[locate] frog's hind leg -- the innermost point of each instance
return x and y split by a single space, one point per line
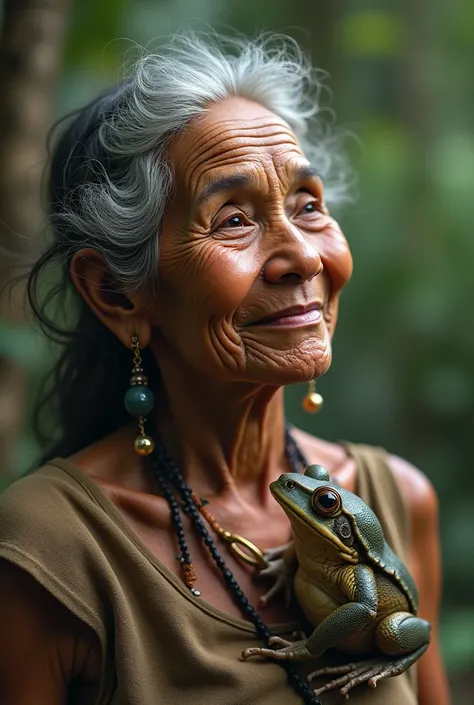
402 638
404 635
401 633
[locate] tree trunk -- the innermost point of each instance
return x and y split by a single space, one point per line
31 44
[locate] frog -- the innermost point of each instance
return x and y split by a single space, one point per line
352 588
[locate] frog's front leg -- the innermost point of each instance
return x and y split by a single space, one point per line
282 566
346 620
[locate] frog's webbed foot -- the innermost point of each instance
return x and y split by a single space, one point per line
283 575
273 554
289 650
281 569
370 671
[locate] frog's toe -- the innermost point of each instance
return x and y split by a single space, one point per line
291 655
256 651
290 650
370 671
281 583
381 673
285 652
338 682
283 577
351 675
278 641
362 675
332 670
394 667
273 554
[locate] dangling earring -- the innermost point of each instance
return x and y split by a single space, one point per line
139 400
312 402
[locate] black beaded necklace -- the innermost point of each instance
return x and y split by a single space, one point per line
170 480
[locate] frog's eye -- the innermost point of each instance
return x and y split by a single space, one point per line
326 501
289 484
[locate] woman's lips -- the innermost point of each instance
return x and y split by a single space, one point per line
294 317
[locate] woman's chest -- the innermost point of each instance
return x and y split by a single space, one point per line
171 653
150 519
207 659
151 523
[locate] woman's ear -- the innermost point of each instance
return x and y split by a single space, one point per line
122 314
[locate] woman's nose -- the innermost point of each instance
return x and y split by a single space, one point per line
294 257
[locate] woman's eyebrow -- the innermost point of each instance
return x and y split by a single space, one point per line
306 172
224 184
227 183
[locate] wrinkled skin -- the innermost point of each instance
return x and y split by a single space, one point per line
238 254
231 254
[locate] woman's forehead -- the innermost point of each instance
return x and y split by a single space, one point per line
232 135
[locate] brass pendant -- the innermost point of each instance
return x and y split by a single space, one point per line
312 402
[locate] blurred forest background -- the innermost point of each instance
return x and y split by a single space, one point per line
400 74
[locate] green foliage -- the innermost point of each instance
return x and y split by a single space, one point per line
94 37
24 345
370 33
458 640
402 371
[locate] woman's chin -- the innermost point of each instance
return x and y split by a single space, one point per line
297 376
294 366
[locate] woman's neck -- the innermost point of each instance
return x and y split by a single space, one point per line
225 438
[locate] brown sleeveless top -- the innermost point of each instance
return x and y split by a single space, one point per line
160 645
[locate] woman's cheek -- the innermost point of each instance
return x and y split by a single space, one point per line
336 257
226 278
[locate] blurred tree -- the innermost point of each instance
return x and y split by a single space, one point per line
402 371
31 44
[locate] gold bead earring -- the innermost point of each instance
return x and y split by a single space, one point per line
139 400
312 401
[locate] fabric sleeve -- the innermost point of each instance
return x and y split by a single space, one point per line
44 530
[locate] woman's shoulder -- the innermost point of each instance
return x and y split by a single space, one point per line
40 550
50 528
43 496
415 488
25 496
41 513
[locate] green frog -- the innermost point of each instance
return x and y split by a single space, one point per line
349 583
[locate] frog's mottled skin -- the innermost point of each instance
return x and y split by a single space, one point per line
350 585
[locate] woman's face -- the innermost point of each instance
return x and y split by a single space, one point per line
251 263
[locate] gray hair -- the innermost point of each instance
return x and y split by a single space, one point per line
111 178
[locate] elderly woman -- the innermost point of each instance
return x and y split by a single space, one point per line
190 211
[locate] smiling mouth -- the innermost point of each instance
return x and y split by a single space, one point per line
293 317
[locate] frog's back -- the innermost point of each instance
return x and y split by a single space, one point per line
391 597
371 537
401 575
377 487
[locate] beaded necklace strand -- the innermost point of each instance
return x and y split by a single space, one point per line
168 478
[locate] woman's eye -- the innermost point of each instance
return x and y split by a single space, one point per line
239 222
236 221
310 207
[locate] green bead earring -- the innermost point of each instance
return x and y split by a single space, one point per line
139 400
